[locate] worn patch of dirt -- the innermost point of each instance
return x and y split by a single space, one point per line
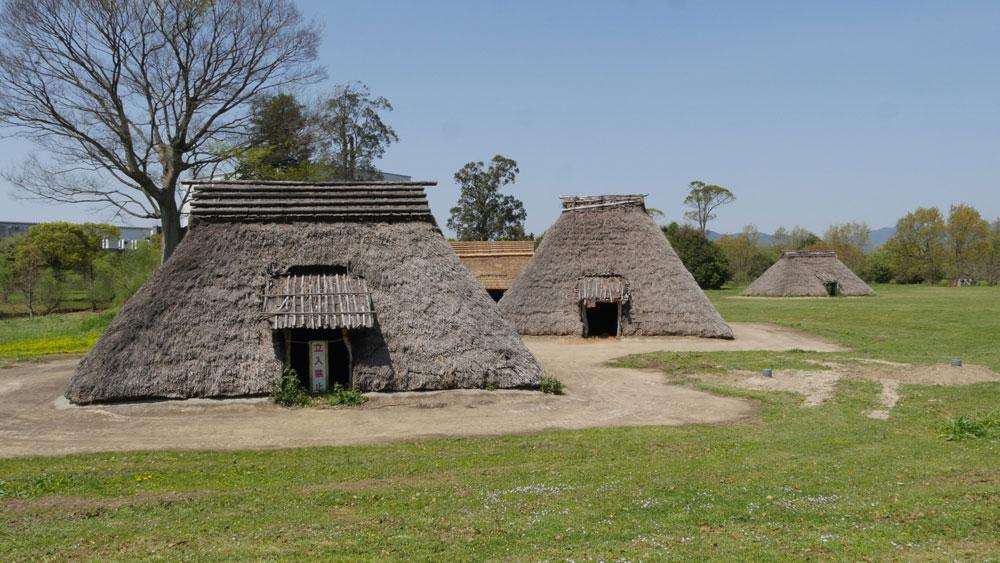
37 421
815 386
818 386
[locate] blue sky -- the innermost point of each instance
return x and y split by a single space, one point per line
812 113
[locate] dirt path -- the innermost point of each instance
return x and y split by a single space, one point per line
36 420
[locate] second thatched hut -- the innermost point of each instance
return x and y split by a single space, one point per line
808 274
605 268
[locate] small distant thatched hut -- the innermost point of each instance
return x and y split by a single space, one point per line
495 263
605 268
808 274
355 277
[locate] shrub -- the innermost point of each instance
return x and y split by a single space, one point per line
700 256
878 267
339 396
288 390
551 386
971 427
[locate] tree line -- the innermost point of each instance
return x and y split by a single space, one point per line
53 262
927 247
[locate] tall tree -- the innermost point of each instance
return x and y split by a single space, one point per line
747 257
281 140
483 213
799 238
917 249
353 133
700 256
968 241
991 265
128 96
8 249
92 235
849 241
30 273
704 199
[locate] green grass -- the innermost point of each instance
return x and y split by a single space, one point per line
801 483
913 324
73 301
70 333
820 483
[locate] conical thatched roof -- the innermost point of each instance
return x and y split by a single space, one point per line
607 248
199 327
808 274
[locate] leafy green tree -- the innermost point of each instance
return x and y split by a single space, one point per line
968 241
281 141
8 249
32 276
747 257
798 238
849 241
91 254
63 246
918 247
134 267
700 256
704 199
991 264
483 213
352 133
878 267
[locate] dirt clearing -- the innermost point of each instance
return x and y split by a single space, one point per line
818 386
36 420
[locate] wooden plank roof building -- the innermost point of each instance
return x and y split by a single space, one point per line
496 264
267 265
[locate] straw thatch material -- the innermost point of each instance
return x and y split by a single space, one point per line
198 328
495 263
610 237
807 274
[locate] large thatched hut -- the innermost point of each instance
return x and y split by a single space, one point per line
495 263
808 274
605 268
351 282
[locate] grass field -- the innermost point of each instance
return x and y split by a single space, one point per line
818 483
70 333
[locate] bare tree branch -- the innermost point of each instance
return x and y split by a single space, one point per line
127 97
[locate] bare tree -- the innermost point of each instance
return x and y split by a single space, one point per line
704 199
128 96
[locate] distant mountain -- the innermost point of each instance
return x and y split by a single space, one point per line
761 237
878 238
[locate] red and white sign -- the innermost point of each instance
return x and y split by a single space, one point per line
319 369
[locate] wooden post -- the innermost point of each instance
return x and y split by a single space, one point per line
288 347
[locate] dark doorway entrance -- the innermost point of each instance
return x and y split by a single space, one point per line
832 288
496 294
338 355
602 319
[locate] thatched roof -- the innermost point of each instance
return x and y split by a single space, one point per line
200 327
495 263
808 274
606 245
